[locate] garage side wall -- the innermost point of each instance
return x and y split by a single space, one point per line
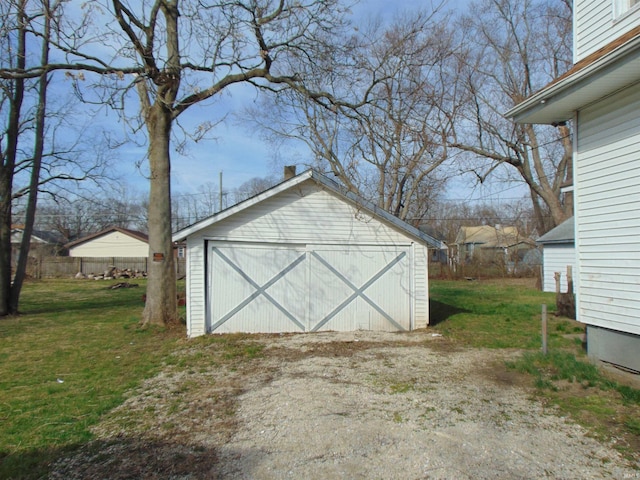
421 287
196 296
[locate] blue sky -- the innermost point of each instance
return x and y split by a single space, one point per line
242 155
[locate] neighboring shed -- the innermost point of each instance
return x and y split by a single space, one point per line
305 256
111 242
559 251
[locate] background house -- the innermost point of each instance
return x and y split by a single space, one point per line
558 252
486 245
601 95
111 242
43 244
305 255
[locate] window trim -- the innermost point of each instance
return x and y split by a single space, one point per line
623 8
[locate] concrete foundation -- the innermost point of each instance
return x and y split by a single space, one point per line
619 348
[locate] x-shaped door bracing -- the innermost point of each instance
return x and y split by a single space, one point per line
260 290
358 292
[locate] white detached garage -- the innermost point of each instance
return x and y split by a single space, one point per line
305 256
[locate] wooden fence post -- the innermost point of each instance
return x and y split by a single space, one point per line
544 329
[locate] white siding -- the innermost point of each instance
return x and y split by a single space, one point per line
304 215
595 27
196 286
421 286
307 215
112 244
556 258
608 212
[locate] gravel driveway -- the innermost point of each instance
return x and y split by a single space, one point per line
360 405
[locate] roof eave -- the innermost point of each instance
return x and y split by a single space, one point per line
217 217
557 241
558 101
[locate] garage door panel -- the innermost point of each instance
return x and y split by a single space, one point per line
368 291
259 316
256 289
278 289
259 264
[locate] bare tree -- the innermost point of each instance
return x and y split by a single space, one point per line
389 149
175 55
253 187
188 208
84 213
510 49
32 158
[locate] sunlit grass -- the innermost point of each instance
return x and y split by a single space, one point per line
496 314
70 357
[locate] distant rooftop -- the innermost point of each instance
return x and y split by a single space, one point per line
563 233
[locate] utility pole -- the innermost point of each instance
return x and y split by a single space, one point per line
220 209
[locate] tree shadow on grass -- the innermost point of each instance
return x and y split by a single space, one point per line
122 458
439 312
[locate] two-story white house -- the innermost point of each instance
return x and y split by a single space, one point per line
600 94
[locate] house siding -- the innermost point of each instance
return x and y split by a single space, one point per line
608 211
594 25
112 244
556 258
305 215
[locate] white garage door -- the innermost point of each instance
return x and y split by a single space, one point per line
267 288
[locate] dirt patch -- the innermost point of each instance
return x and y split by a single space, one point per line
341 405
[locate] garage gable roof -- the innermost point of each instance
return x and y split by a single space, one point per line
143 237
330 185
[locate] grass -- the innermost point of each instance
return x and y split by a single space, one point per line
507 314
496 314
70 357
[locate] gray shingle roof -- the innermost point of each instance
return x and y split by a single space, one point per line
563 233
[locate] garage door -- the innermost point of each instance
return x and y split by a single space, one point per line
285 288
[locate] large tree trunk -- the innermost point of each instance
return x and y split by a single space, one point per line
36 166
7 168
5 241
161 306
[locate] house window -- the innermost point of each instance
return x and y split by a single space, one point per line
620 7
182 251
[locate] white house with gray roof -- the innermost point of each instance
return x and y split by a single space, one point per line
558 253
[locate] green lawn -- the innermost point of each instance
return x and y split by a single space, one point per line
497 314
70 357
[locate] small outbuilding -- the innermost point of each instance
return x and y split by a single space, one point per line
305 256
558 253
111 242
